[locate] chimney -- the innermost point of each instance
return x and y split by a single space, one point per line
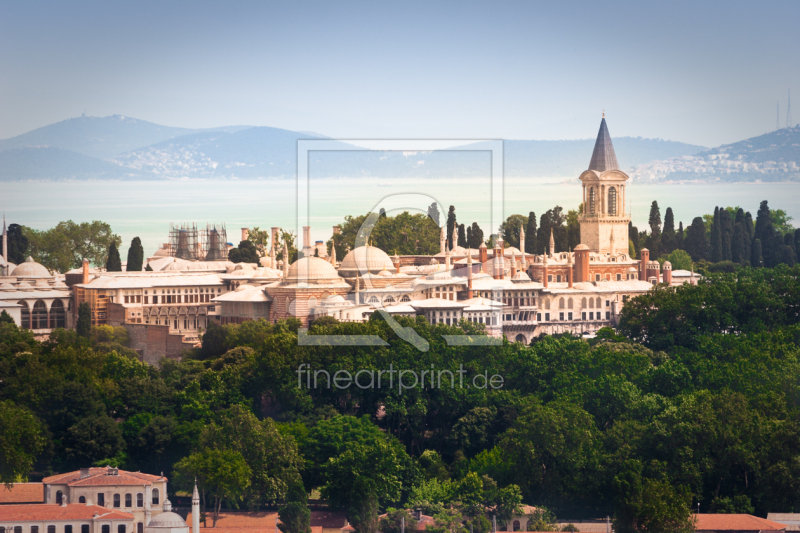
85 271
469 274
245 233
569 269
417 514
644 258
544 272
272 239
483 255
307 241
667 272
85 472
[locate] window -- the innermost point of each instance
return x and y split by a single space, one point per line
26 323
116 500
538 317
121 528
140 527
155 496
597 277
516 522
82 499
405 298
599 303
128 500
583 315
591 315
561 316
39 315
592 198
569 316
608 303
59 497
155 299
84 528
558 278
140 500
550 278
52 529
101 499
18 529
34 529
105 529
57 315
612 201
619 277
547 317
67 529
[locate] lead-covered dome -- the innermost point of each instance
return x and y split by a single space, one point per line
31 269
311 269
365 259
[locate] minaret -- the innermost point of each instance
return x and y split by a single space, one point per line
455 236
552 243
442 239
469 273
447 260
569 268
544 272
522 243
195 509
333 254
358 290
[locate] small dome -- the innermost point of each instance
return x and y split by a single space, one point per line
6 287
633 269
167 520
667 265
31 269
42 283
385 274
365 259
24 285
312 268
581 247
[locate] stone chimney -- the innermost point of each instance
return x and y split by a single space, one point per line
245 233
666 269
85 271
469 273
85 472
644 258
483 255
307 250
544 272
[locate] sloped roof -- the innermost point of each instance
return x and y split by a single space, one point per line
603 157
98 476
41 512
22 493
735 522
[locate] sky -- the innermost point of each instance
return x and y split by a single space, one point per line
705 73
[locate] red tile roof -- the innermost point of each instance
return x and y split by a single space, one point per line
218 529
101 476
39 512
735 522
265 520
22 493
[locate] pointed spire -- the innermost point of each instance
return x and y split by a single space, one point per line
603 157
552 243
285 260
333 255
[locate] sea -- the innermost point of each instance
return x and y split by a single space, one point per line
146 208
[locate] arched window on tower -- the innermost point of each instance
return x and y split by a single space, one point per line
592 200
612 201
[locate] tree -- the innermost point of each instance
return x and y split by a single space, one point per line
360 479
633 236
93 438
475 236
716 238
21 441
668 234
135 256
510 229
740 240
530 234
6 318
17 244
695 242
451 225
84 325
113 262
245 253
679 237
726 234
680 260
64 246
224 474
294 514
394 520
655 220
433 213
650 506
573 229
260 239
757 258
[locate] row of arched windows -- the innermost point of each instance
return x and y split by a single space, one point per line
612 201
116 499
40 318
68 528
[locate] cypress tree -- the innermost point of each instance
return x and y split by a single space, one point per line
726 233
462 236
739 240
113 263
796 240
135 256
756 259
84 325
655 220
451 224
475 236
530 234
788 256
696 242
295 515
633 236
17 244
788 240
543 234
668 234
679 237
716 238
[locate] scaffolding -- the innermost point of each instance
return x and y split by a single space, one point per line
214 242
183 241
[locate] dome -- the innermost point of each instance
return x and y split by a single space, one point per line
6 287
312 268
581 247
23 285
365 259
167 520
632 269
31 269
667 265
385 274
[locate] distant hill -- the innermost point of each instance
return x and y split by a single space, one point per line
118 147
774 156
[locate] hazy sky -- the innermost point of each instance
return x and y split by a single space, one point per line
699 72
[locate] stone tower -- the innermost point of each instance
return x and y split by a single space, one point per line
604 187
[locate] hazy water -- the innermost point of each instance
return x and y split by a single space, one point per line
146 208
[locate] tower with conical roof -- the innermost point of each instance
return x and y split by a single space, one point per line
603 218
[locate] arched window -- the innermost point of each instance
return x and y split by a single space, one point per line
59 497
82 499
583 302
312 302
39 315
58 318
372 300
106 529
140 527
591 303
599 304
116 500
26 316
388 300
569 303
520 338
128 500
155 496
2 529
121 528
84 528
561 303
592 200
516 525
612 201
405 298
18 529
140 500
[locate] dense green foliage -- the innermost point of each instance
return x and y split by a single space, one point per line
64 246
695 401
246 252
135 256
113 261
